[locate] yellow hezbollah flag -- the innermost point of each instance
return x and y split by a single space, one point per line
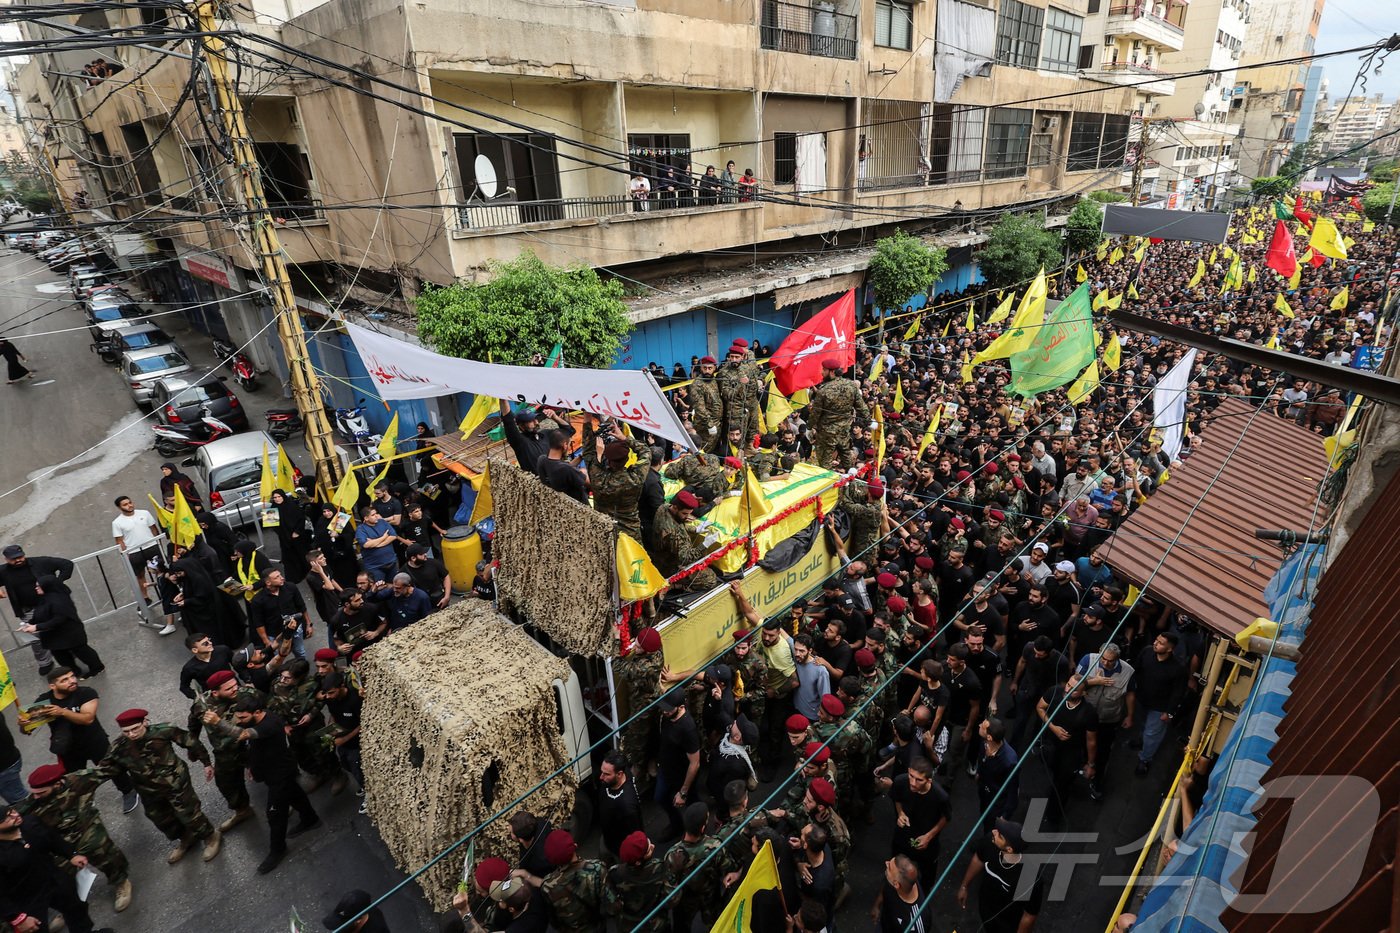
1297 277
778 406
1213 254
948 325
7 684
388 446
879 366
762 875
753 501
880 437
286 479
1368 226
1339 300
1080 276
971 323
1100 300
914 328
1113 352
1087 382
162 515
1113 302
1141 251
1282 307
1024 326
183 528
1003 310
930 431
800 398
483 506
347 493
1132 597
1251 275
1101 252
898 403
266 482
1132 291
637 576
1327 240
1272 342
482 407
1115 256
1200 274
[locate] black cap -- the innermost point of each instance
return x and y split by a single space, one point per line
668 702
12 551
351 905
416 550
1011 832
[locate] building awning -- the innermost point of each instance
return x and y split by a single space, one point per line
1249 470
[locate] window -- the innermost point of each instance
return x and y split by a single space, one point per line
525 162
286 175
1097 140
1018 34
139 152
894 24
1093 6
784 158
1086 57
1042 149
1061 50
653 153
955 144
1008 142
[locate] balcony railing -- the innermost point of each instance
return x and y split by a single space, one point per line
1135 68
489 215
1141 11
304 210
809 30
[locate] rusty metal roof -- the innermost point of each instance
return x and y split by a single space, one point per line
1217 570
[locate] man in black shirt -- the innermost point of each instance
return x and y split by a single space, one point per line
1010 893
11 786
1031 619
954 581
679 759
270 761
1039 668
555 471
429 575
484 582
345 703
207 658
833 653
921 813
31 884
964 709
619 807
1159 678
357 623
356 904
76 736
278 611
523 435
900 906
816 868
1090 633
1069 740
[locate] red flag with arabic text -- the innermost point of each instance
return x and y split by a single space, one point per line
829 335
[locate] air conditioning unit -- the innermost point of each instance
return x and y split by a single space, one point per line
1049 123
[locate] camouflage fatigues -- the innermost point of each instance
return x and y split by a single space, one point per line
706 411
633 890
701 894
640 675
836 405
740 384
69 811
161 777
701 472
750 684
676 549
310 753
230 758
616 492
737 840
865 520
951 543
576 894
839 838
850 749
764 462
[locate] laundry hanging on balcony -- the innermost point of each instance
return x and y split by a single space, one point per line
811 162
964 46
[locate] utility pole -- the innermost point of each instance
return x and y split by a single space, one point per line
306 387
1138 163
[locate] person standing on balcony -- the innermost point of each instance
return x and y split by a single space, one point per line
748 186
709 187
640 189
668 190
729 183
685 186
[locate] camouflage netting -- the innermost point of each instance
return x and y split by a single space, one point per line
556 562
462 696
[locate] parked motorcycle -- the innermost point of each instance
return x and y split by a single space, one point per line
282 423
354 428
237 361
173 440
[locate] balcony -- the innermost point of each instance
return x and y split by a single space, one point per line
485 216
1131 73
809 30
1137 21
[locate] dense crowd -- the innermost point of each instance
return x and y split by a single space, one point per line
975 623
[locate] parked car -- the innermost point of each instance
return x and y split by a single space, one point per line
85 282
182 399
109 312
141 336
230 468
143 368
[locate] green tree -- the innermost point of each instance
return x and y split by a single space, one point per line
524 309
1016 249
1300 158
1270 187
902 267
1108 197
1084 228
34 197
1376 202
1383 171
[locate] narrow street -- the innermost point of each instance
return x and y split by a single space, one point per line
74 403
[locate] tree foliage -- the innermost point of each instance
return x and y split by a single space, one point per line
1377 201
1084 228
1270 187
34 197
902 267
1017 247
1108 197
1383 171
524 309
1300 158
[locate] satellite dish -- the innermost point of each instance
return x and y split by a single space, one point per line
1199 108
485 177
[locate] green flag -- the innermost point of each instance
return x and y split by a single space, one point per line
1060 349
1282 211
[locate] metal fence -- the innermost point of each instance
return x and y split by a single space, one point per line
486 215
815 30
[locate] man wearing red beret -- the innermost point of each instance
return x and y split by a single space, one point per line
674 547
230 761
636 884
576 888
639 676
706 405
145 755
63 803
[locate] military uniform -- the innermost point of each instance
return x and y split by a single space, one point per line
576 894
750 684
764 462
310 753
701 893
675 549
954 542
704 474
162 778
230 760
737 839
706 411
70 812
836 405
851 749
865 520
640 673
616 492
740 382
633 891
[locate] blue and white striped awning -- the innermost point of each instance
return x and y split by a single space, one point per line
1197 884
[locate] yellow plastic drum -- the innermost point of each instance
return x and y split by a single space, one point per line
461 549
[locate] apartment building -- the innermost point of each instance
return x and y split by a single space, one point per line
530 121
1273 95
1353 121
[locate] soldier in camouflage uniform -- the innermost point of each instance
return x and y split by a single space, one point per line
836 405
701 893
734 833
814 762
703 473
706 406
953 539
639 675
862 502
850 747
576 890
616 486
64 804
675 549
145 755
740 384
211 707
750 679
820 807
764 459
296 702
636 884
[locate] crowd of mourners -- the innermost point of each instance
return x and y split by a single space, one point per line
975 634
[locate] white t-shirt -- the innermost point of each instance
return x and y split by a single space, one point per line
134 529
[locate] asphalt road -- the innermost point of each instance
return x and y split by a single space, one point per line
85 424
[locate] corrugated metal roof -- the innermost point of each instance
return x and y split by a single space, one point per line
1217 570
1340 720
